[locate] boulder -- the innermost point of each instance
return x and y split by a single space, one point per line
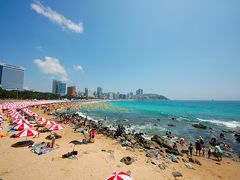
195 161
155 162
158 139
199 125
177 174
127 160
185 151
152 153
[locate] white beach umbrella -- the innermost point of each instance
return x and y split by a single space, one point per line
48 122
119 176
56 127
27 132
22 126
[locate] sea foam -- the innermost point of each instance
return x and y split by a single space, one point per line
230 124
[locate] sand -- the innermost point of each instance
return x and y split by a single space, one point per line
93 163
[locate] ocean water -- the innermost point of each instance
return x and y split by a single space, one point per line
153 116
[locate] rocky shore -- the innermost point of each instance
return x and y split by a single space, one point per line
157 147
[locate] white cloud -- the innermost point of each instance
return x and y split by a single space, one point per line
57 18
78 68
51 66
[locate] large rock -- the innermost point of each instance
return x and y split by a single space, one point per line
195 161
152 153
199 125
120 131
127 160
177 174
155 162
158 139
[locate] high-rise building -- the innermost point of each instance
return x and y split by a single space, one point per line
71 91
139 92
99 92
59 87
110 95
130 95
11 76
88 93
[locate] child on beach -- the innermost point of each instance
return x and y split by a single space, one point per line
190 148
209 152
203 151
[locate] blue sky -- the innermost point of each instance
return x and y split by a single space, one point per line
182 49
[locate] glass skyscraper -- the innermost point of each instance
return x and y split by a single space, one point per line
11 77
58 87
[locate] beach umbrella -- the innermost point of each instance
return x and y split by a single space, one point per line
1 127
119 176
22 126
26 132
48 122
41 119
56 127
20 121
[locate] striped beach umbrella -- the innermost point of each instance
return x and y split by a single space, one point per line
56 127
22 126
27 132
20 121
41 119
48 123
119 176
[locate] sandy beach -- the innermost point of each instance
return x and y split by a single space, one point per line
98 160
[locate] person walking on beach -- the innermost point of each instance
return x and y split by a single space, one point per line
190 148
219 153
198 147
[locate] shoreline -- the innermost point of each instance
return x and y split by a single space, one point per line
93 153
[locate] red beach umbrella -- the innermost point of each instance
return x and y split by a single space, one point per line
22 126
48 122
20 121
119 176
27 132
41 119
56 127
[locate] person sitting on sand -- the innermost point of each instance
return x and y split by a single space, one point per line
190 148
53 141
182 141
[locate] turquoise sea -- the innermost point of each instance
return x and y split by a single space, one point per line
153 116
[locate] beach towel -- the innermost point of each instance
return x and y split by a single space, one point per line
35 146
43 150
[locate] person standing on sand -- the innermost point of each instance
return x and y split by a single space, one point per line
190 148
198 147
219 152
209 152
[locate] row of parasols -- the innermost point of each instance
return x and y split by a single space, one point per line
24 126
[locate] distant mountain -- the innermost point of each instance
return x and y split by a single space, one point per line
150 96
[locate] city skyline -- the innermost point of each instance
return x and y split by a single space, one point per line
186 51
